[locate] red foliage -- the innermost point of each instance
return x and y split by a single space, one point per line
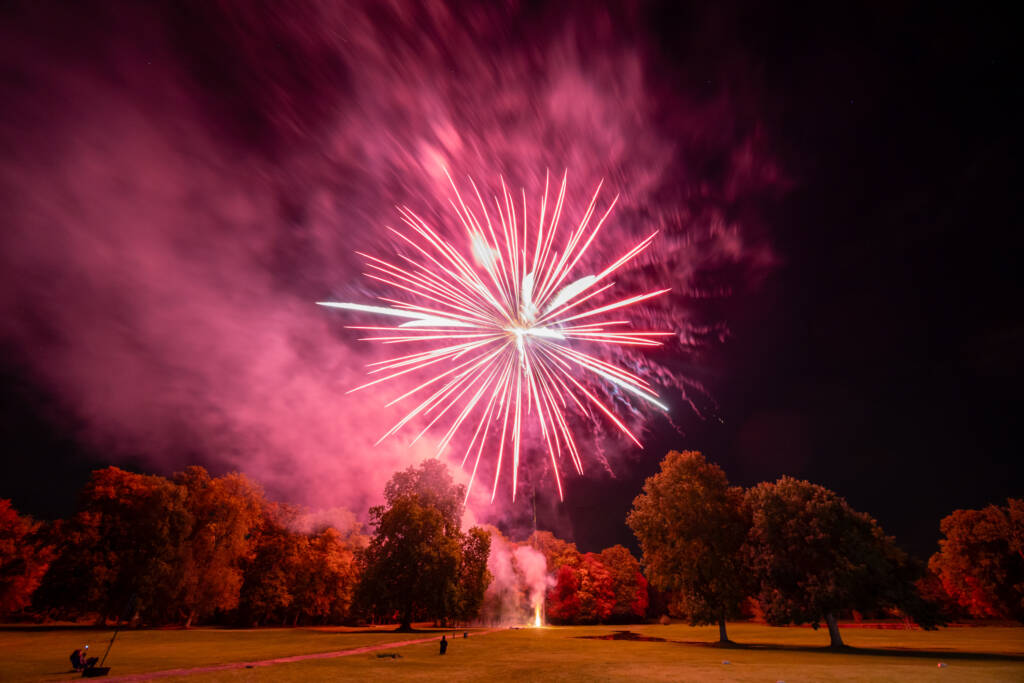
583 594
640 599
23 559
597 590
563 603
980 562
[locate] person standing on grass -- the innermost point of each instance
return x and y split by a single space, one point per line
444 645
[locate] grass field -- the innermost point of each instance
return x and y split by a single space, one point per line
557 653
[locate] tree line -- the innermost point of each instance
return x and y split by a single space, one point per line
200 549
194 547
793 552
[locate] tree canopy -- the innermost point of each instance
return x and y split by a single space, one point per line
691 527
214 549
122 547
628 582
25 556
556 551
980 562
223 511
814 555
195 547
418 553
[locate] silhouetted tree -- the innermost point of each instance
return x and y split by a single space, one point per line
814 556
269 573
473 574
415 558
122 546
692 528
980 562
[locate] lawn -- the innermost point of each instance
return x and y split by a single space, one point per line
41 654
558 653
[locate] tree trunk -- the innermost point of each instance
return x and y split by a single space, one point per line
406 624
191 616
833 631
722 636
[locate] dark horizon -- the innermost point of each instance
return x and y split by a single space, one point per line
879 355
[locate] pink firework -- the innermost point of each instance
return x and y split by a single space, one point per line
505 326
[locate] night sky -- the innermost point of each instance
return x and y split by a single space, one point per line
880 355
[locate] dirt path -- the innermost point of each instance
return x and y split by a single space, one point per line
167 673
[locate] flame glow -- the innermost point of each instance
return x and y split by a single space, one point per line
503 331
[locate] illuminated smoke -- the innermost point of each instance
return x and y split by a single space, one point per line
520 581
179 183
507 338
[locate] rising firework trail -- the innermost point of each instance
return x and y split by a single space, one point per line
506 333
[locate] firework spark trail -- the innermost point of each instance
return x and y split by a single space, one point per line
506 328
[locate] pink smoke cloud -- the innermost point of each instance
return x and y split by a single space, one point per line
166 232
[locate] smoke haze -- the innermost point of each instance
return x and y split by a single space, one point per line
179 184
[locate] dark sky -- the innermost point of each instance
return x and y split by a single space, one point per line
882 355
884 359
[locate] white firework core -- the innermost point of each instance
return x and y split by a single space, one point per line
501 334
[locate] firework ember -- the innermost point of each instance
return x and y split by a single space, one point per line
506 324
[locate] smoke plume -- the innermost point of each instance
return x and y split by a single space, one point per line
180 183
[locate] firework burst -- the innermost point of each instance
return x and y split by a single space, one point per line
506 326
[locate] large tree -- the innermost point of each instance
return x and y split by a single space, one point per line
815 556
692 527
474 576
122 548
224 512
24 557
324 586
418 551
981 560
270 571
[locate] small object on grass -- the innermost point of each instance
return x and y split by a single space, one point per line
726 661
389 655
95 671
942 664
